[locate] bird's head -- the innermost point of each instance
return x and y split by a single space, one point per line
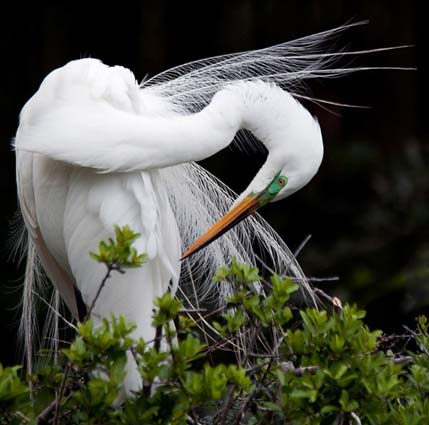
290 165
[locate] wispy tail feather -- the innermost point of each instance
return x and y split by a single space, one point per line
35 289
28 324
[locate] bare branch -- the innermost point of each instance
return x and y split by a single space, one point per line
110 269
355 418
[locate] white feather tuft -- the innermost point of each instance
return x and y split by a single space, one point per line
191 86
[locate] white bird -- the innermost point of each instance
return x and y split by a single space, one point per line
95 149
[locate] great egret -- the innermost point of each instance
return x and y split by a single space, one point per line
95 149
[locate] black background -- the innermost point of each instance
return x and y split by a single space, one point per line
367 207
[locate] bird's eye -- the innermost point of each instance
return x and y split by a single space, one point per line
282 181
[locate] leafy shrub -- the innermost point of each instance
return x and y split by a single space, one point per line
308 366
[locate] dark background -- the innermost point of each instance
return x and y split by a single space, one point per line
366 209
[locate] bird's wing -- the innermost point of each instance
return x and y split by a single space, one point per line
27 165
96 203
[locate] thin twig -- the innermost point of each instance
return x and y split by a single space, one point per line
147 388
110 269
403 360
192 421
220 344
43 418
194 288
301 246
228 404
334 301
416 337
253 394
389 341
54 406
355 418
158 337
22 417
192 310
253 369
205 322
324 279
56 312
340 418
314 279
229 398
60 393
175 364
267 356
298 371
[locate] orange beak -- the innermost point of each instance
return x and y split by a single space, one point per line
246 207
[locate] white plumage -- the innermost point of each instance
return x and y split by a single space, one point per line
95 149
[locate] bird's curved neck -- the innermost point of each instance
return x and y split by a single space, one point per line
264 109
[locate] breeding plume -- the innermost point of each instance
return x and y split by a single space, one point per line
95 149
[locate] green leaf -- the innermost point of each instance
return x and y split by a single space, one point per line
120 252
117 369
215 381
167 309
190 348
234 321
347 404
310 395
11 387
238 377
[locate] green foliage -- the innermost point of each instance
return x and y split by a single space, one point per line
120 252
13 394
308 366
351 375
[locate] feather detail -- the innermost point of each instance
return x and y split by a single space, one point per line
198 199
